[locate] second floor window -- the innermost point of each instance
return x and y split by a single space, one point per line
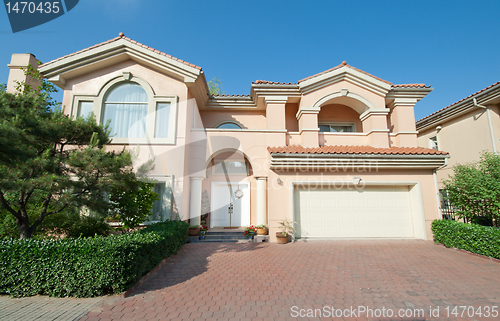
336 128
126 107
433 143
229 125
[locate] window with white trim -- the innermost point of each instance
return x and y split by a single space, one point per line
125 108
433 143
232 167
337 127
85 109
136 114
229 125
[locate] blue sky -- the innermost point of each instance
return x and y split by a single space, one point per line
451 45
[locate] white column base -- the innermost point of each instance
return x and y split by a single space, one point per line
195 202
261 201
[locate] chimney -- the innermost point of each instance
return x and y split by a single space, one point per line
17 62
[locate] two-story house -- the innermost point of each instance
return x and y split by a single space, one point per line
336 152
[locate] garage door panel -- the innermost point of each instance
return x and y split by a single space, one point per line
372 212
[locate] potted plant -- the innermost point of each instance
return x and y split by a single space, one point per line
286 228
261 229
203 231
193 230
250 231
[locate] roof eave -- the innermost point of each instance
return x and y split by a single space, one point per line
459 108
112 52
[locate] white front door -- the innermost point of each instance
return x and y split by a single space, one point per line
222 197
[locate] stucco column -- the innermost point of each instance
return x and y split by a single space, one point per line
275 112
195 202
308 126
375 125
403 121
261 201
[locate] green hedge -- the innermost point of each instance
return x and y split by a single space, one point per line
474 238
86 267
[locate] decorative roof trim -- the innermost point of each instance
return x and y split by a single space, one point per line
338 158
355 150
120 36
344 63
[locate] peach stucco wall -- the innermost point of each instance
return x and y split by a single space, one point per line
464 137
291 122
309 99
340 113
248 119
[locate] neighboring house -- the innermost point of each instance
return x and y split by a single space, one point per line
335 152
464 129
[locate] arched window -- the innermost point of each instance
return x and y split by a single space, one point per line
126 107
229 125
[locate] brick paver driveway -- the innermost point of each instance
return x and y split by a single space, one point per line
217 281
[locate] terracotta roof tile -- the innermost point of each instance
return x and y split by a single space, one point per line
121 36
230 96
344 63
346 149
498 82
410 86
272 82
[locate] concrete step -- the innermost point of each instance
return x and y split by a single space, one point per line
225 233
225 237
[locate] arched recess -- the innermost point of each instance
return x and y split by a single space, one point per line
344 97
229 154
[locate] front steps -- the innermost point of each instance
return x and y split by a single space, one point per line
225 235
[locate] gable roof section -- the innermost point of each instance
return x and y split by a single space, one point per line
113 51
466 104
348 73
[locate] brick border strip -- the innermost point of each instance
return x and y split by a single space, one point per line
144 278
471 253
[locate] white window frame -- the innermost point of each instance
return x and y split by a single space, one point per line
353 124
218 161
167 197
434 143
229 122
153 100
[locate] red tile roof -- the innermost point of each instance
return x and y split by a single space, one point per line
344 63
411 86
272 82
345 149
459 101
122 36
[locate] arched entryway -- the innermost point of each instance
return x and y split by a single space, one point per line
226 196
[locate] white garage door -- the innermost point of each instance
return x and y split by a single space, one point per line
383 211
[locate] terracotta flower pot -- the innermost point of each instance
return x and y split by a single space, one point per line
262 231
193 231
281 239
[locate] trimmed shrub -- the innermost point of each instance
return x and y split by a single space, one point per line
474 238
86 267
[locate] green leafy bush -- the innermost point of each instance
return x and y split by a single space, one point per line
86 267
474 238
